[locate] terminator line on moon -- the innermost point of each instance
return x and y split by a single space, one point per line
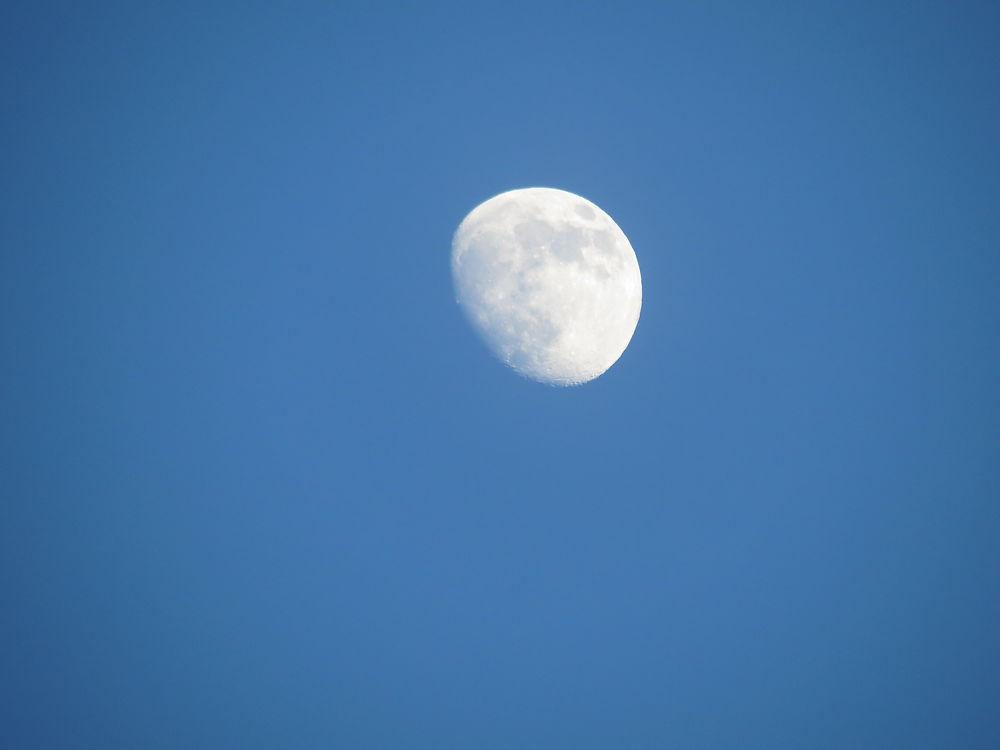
550 283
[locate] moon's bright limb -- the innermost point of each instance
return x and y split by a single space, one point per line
549 281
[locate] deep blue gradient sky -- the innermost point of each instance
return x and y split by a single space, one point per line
263 488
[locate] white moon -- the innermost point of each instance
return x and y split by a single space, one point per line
549 281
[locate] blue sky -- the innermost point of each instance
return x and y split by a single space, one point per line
264 488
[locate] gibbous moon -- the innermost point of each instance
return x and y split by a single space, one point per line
550 283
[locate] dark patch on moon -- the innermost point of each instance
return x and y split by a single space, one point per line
533 234
566 243
605 242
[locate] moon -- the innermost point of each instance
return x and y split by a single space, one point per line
549 281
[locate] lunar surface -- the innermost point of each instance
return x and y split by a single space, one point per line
550 283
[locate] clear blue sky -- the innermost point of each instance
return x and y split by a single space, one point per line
263 488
